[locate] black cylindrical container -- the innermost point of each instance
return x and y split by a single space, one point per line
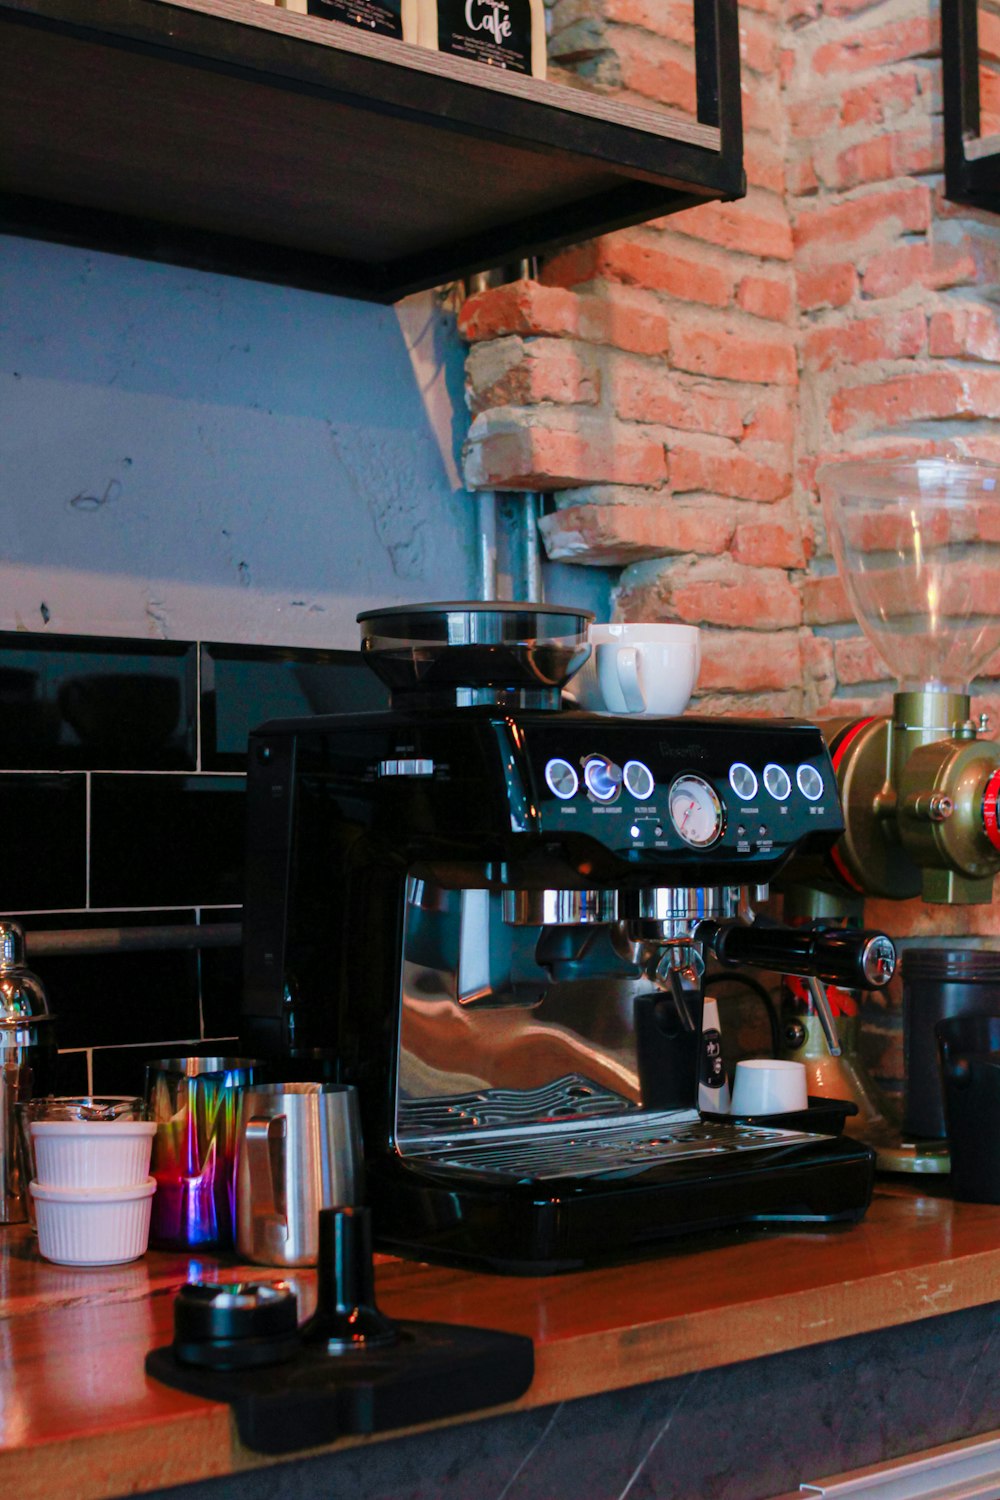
939 983
970 1073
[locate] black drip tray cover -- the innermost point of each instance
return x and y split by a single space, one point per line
434 1370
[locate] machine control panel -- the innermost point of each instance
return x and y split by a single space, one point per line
664 788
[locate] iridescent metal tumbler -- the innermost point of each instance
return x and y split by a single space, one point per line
194 1102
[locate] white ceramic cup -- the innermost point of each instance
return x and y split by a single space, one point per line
769 1086
640 669
92 1153
93 1226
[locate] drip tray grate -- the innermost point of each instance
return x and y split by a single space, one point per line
618 1152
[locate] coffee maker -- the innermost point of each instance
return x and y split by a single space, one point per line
491 914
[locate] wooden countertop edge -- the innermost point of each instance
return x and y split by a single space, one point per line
201 1442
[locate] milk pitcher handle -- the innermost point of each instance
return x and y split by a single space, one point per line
265 1142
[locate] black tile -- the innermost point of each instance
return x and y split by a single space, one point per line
44 821
242 686
221 981
71 1074
122 1070
105 998
89 702
166 840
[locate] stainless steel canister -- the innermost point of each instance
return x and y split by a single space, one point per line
298 1150
27 1063
194 1103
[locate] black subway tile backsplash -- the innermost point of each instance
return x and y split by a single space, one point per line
118 811
242 686
164 840
102 999
92 703
44 821
122 1070
221 981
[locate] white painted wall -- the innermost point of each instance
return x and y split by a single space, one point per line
193 456
190 456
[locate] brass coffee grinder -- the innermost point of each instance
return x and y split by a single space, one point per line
917 547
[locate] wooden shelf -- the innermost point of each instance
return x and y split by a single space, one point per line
237 137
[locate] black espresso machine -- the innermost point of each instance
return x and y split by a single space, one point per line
491 913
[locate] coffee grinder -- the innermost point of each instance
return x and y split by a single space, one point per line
917 547
491 914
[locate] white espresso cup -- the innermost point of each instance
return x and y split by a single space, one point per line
640 669
769 1086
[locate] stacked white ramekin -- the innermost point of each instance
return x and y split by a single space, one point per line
91 1189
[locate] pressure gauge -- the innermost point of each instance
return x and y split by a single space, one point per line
696 812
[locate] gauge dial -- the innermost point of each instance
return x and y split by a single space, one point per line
696 812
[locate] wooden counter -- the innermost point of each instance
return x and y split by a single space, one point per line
80 1419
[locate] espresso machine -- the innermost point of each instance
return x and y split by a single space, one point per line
491 913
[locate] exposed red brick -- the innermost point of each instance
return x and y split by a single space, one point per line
505 452
523 307
765 298
743 661
758 227
914 36
771 421
711 592
750 705
614 535
824 601
810 119
920 397
764 164
882 157
667 18
930 265
898 335
768 544
926 919
880 99
758 46
830 286
876 216
510 372
965 333
856 661
730 472
644 391
732 356
620 258
655 69
800 177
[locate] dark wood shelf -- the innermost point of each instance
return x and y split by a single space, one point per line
236 137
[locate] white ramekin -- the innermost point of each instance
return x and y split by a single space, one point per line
92 1226
92 1153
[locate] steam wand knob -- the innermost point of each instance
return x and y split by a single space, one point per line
346 1316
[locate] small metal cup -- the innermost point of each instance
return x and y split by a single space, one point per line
298 1151
194 1103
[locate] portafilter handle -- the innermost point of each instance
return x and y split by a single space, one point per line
821 955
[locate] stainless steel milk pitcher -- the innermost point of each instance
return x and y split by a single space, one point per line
298 1150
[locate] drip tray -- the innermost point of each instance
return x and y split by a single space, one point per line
621 1151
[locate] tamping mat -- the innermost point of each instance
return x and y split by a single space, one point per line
432 1371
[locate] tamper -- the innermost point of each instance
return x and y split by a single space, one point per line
346 1316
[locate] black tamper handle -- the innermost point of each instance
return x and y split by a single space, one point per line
346 1315
835 955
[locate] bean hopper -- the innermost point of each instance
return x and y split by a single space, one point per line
491 914
917 547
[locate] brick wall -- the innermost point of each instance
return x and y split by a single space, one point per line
674 386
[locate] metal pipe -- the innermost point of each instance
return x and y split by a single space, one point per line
76 940
486 544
